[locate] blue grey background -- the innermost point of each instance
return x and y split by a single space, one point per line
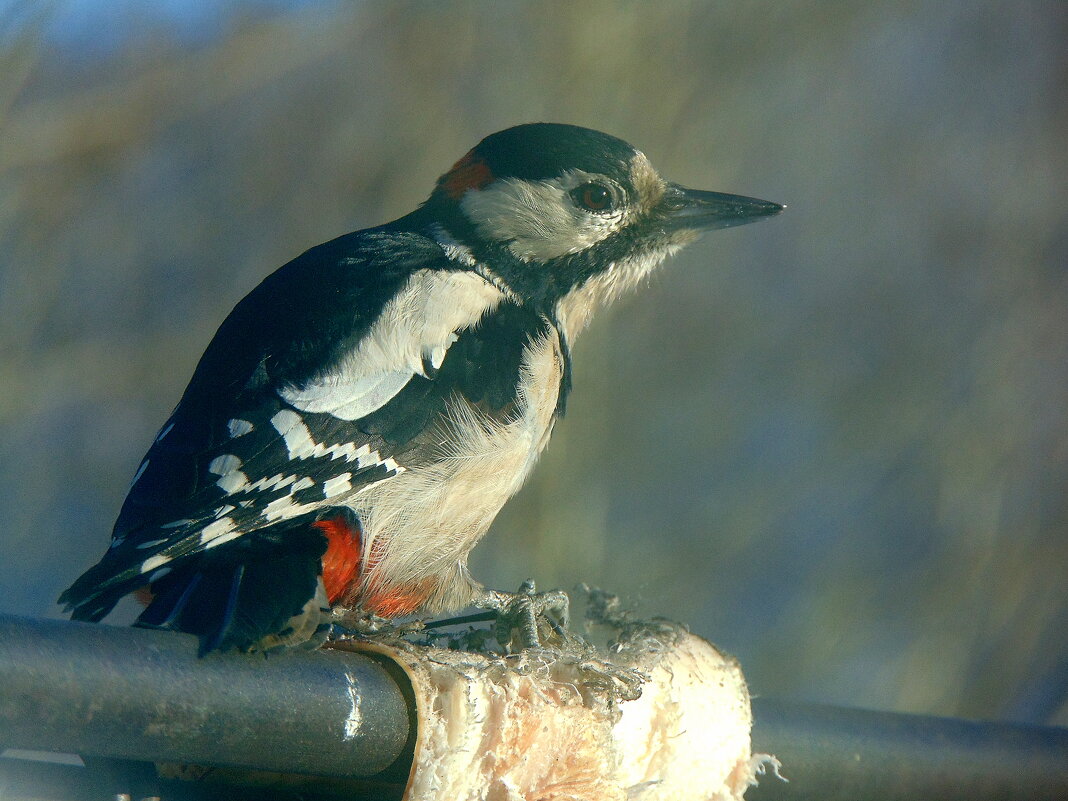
835 443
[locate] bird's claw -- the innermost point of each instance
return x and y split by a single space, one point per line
529 616
356 622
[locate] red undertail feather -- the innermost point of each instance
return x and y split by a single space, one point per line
392 600
396 601
342 571
341 562
144 595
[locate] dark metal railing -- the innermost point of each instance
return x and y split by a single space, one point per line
144 696
839 754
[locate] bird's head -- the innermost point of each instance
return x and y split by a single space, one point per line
570 217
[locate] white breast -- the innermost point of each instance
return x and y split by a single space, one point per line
428 519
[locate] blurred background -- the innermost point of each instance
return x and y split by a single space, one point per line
834 443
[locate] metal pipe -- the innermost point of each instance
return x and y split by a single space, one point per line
145 695
136 694
834 753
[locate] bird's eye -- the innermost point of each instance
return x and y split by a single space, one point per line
593 197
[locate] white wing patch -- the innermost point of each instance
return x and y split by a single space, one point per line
415 328
185 521
239 427
437 355
153 562
218 532
228 468
140 472
233 480
301 444
349 400
337 485
221 465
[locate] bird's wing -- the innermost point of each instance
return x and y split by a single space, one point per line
294 407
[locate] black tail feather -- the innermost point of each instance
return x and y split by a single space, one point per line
175 609
86 601
235 602
226 619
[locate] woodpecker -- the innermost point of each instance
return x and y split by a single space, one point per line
362 415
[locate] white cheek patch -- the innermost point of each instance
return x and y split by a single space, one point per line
538 218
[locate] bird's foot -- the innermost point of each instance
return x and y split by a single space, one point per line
529 619
529 633
356 621
349 623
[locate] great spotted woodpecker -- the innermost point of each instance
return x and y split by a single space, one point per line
364 413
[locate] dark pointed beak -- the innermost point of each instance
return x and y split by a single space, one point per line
692 209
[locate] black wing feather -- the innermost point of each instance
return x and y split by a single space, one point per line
281 334
300 320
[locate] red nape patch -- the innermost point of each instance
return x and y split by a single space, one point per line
341 562
470 172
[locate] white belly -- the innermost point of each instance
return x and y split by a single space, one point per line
427 519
